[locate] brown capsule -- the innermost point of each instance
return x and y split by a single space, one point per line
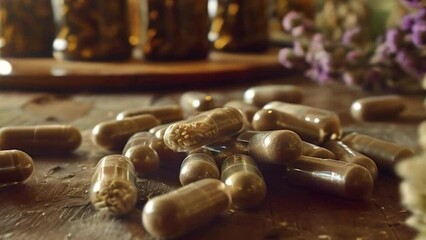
204 128
113 185
113 135
158 131
144 158
312 150
377 108
194 102
15 166
182 210
385 154
261 95
197 166
336 177
46 139
278 147
244 181
165 113
346 154
272 119
226 149
168 157
326 120
247 109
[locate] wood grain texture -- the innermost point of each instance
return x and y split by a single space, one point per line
54 204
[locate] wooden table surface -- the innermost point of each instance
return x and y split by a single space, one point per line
54 204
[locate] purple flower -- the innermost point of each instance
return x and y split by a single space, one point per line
353 77
394 39
408 63
299 49
407 22
292 20
355 57
352 36
381 55
289 60
414 3
418 35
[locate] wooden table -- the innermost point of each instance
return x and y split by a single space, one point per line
54 204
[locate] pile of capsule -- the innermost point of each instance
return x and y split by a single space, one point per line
413 186
218 149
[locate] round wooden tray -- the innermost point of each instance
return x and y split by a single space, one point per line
219 68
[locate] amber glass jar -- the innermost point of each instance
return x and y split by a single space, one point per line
26 28
176 29
92 30
240 25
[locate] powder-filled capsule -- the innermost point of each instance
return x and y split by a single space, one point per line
15 166
197 166
261 95
113 185
194 102
326 120
344 179
204 128
272 119
312 150
44 139
144 158
385 154
377 108
278 147
247 109
164 113
244 181
182 210
158 131
113 135
346 154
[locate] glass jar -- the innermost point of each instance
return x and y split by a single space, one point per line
91 30
175 29
240 25
26 28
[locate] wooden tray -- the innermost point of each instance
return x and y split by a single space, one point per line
219 68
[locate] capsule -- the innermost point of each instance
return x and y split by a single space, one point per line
312 150
272 119
261 95
113 185
377 108
247 109
46 139
144 158
343 179
346 154
165 113
385 154
158 131
244 181
197 166
15 166
194 102
204 128
168 157
224 150
182 210
278 147
326 120
422 134
113 135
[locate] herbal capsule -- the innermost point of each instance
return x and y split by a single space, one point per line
343 179
326 120
197 166
186 208
194 102
113 135
166 113
15 166
279 147
312 150
247 109
46 139
158 131
168 157
144 158
224 150
204 128
377 107
261 95
244 181
346 154
113 185
272 119
385 154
